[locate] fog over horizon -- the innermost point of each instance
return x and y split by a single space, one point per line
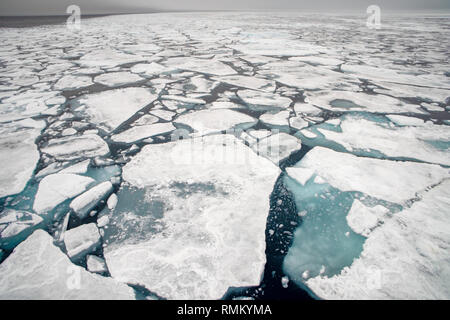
55 7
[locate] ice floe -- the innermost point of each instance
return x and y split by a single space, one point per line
109 109
88 200
212 195
144 131
209 121
254 83
363 219
116 79
207 66
107 58
76 147
82 240
96 264
360 101
15 226
406 121
19 154
70 82
394 181
277 147
405 258
373 136
56 188
276 119
396 76
264 100
342 199
37 269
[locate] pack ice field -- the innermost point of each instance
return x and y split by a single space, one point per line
226 156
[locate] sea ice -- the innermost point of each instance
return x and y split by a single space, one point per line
78 168
264 100
19 154
37 269
163 114
213 67
107 58
56 188
211 197
359 101
363 219
216 120
116 79
76 147
362 136
82 240
109 109
277 147
353 197
405 258
70 82
278 119
144 131
87 201
15 226
254 83
149 69
405 121
96 264
394 181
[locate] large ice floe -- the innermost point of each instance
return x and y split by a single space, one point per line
343 199
56 188
406 258
208 199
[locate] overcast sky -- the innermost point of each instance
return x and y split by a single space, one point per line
58 7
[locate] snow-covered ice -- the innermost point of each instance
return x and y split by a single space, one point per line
375 137
116 79
38 270
15 226
144 131
109 109
277 147
56 188
394 181
19 154
87 201
78 147
344 210
212 209
405 258
96 264
263 100
81 240
70 82
209 121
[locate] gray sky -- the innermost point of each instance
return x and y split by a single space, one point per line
58 7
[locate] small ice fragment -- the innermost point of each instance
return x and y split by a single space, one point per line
285 282
112 201
102 221
96 264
